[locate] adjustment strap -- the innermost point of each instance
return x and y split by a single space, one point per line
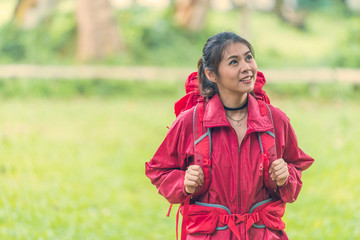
185 205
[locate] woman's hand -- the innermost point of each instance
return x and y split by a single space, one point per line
194 177
279 171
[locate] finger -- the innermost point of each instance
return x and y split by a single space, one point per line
201 179
274 164
277 162
190 190
196 173
282 176
280 166
275 174
195 176
200 174
196 170
191 177
279 172
190 183
194 179
272 168
280 182
273 177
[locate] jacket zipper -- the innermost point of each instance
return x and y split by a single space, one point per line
239 181
239 178
242 226
239 209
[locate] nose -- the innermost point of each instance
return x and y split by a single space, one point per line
244 67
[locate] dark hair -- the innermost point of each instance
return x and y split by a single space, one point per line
211 58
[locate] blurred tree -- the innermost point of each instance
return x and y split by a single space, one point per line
244 16
353 5
286 11
98 36
348 47
191 14
29 13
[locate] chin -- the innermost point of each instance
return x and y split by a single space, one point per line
250 89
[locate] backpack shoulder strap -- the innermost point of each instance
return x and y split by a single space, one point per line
202 157
202 145
267 141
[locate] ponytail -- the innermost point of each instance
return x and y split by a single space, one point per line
207 88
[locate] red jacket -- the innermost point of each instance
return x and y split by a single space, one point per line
236 181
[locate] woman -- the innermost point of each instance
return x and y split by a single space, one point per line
227 72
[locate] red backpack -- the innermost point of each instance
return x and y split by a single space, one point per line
218 218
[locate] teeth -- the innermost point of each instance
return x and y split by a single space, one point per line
246 79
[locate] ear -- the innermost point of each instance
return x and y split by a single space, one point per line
210 75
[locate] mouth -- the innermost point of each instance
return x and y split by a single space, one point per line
246 79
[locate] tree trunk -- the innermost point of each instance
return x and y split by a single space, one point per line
29 13
277 8
289 15
191 14
98 36
245 22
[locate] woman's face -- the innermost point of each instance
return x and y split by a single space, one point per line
237 70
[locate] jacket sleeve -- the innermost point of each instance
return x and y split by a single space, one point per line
166 169
296 159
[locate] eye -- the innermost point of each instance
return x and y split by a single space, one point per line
233 62
249 57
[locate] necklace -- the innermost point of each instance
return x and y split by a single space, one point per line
238 122
235 109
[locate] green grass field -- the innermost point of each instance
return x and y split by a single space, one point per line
74 168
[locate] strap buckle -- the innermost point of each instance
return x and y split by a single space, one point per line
236 218
240 218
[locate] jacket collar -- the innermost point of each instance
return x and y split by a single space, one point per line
215 116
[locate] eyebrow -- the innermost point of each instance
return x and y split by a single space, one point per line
236 56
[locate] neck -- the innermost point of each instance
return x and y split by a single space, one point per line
234 102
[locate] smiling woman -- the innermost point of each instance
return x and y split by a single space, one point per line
236 73
233 160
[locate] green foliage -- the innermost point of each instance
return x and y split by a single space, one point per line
348 49
313 4
12 44
152 38
51 42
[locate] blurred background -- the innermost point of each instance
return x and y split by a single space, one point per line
286 33
87 89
